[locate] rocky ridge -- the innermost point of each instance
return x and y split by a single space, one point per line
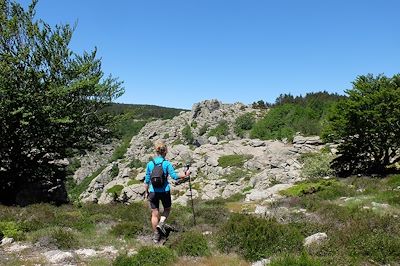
267 166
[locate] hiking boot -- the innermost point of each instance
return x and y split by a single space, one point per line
156 237
161 228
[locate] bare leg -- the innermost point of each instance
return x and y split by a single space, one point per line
154 218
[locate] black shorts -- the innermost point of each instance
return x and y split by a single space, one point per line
155 197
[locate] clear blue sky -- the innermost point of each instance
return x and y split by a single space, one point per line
178 52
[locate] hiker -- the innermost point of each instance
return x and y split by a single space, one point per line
157 188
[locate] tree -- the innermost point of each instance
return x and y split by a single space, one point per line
50 100
367 123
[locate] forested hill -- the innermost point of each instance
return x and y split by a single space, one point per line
143 111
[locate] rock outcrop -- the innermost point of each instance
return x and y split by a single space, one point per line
267 166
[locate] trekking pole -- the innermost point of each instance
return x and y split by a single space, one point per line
191 195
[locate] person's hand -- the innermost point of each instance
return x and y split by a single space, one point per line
146 194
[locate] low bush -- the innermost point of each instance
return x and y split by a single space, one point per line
191 243
115 190
222 129
136 163
114 171
289 259
316 165
147 256
60 237
127 229
243 123
308 187
235 175
11 229
233 160
255 238
187 134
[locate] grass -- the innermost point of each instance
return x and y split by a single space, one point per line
233 160
356 236
235 175
115 190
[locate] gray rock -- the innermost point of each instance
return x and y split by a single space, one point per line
257 143
59 257
315 239
86 252
262 262
272 192
133 193
6 241
126 172
213 140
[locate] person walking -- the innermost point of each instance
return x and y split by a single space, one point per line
158 188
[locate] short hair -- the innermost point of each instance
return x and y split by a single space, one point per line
160 146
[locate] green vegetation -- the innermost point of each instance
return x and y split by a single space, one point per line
308 187
295 114
222 129
115 190
256 238
51 98
11 229
233 160
366 122
191 243
187 134
288 259
133 182
147 256
114 171
243 123
127 229
136 163
142 112
316 165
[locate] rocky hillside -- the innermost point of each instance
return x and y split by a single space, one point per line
222 163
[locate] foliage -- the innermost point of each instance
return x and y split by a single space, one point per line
50 102
233 160
242 123
147 256
142 111
222 129
255 238
304 188
191 243
62 238
114 171
11 229
288 259
367 123
295 114
115 190
260 105
136 163
187 134
133 182
316 165
127 229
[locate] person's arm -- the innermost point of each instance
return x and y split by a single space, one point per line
147 181
174 175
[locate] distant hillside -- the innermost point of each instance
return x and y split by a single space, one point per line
143 111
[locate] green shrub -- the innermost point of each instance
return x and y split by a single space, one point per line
211 212
220 130
134 181
187 134
11 229
115 190
147 256
62 238
316 165
191 243
127 229
193 124
233 160
308 187
255 238
136 163
289 259
242 123
393 181
114 171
